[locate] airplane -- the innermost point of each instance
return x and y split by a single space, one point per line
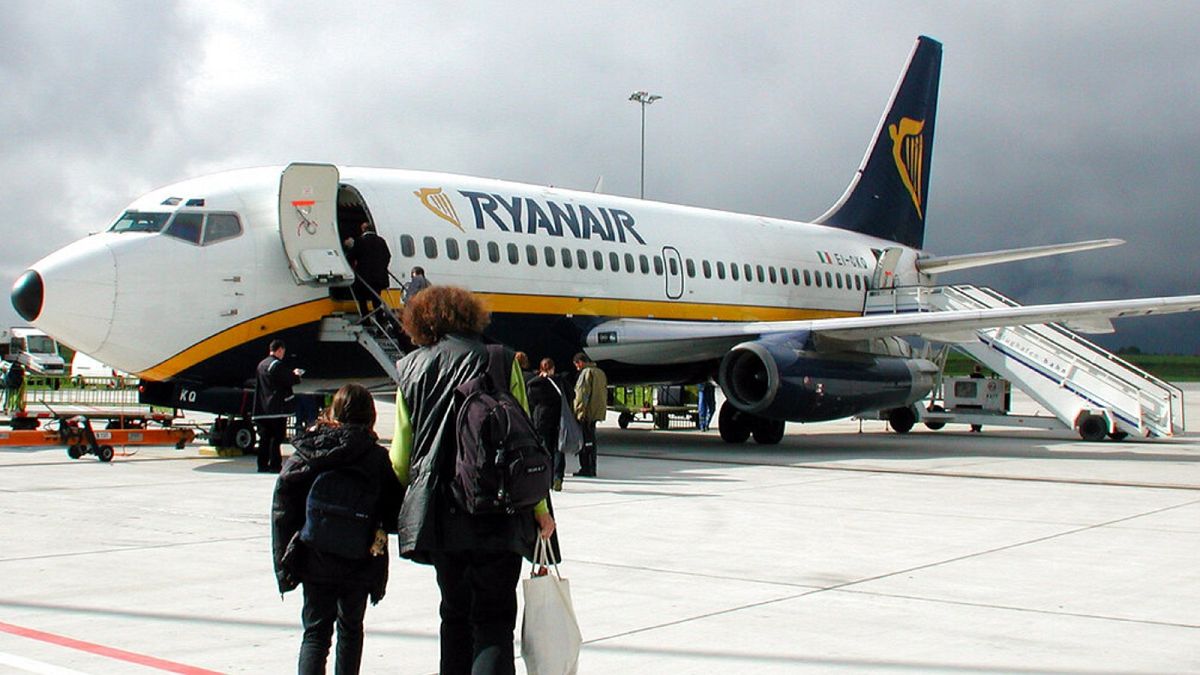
190 283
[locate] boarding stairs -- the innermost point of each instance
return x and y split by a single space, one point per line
1069 376
373 333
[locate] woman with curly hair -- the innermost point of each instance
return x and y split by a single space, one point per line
477 557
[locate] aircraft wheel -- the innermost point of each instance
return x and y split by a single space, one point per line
662 421
1119 435
902 420
105 453
733 424
934 426
1092 428
768 432
624 419
74 451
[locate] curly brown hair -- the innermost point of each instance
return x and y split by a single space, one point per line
440 310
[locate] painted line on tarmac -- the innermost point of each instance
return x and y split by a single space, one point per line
30 666
101 650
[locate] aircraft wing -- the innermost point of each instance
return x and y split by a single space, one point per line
654 341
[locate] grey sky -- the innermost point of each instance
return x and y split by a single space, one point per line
1057 121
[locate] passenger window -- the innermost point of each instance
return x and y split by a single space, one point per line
408 248
747 272
707 268
838 277
514 254
658 266
221 226
783 274
807 278
644 264
493 251
614 262
795 277
674 265
430 248
720 270
566 258
818 277
581 258
186 226
761 277
734 271
531 254
629 265
690 266
549 253
771 271
473 250
598 260
452 248
828 280
857 283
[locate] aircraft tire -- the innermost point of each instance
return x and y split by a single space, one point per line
733 424
240 435
768 432
934 426
901 420
1092 428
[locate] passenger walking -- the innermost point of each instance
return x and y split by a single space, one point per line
591 406
477 557
341 562
706 402
416 284
272 402
545 407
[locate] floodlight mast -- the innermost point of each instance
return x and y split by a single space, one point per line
644 98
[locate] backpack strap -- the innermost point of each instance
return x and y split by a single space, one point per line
496 370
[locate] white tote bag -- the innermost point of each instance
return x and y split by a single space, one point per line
550 636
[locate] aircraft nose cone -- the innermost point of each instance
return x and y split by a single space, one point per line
27 295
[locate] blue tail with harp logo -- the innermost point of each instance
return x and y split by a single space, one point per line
888 196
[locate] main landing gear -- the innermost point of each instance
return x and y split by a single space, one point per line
736 426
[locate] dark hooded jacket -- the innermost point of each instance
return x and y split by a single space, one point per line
430 520
350 446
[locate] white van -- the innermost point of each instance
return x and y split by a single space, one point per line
34 350
83 366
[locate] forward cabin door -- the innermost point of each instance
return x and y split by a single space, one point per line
308 225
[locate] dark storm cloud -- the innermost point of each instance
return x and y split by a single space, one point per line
1057 121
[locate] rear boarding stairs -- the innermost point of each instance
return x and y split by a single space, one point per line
1084 386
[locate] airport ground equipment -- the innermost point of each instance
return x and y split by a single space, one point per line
658 405
1084 386
81 438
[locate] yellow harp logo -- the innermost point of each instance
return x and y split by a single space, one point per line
435 200
908 150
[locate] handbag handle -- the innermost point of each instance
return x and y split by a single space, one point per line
543 560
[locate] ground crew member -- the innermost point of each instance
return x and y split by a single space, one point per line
272 399
591 405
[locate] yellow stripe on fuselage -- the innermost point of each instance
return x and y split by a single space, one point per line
498 303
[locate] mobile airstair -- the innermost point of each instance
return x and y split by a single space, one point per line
380 338
1084 386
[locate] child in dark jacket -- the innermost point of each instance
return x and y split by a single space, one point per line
336 586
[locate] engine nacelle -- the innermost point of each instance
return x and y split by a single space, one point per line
781 377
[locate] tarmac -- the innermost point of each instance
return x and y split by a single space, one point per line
837 550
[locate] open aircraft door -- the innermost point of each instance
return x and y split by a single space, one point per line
308 225
885 268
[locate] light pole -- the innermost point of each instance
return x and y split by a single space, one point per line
645 98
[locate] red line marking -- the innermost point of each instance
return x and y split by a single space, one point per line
304 202
101 650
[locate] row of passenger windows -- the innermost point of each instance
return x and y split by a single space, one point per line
579 258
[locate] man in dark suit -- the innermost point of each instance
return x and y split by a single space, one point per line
371 257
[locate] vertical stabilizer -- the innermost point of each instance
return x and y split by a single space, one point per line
890 192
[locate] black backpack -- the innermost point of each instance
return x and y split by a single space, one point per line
500 465
339 513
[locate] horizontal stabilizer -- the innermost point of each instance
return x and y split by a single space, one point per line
953 263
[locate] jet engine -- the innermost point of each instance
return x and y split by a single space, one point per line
782 377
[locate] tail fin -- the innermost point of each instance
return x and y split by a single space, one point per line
889 194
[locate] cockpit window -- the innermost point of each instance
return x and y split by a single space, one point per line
221 226
140 221
186 226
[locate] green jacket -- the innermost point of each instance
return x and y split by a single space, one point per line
591 394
